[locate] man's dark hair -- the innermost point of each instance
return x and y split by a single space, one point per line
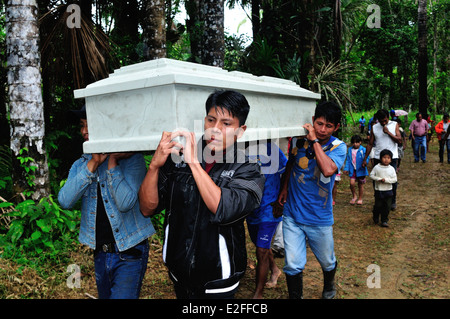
355 139
81 113
232 101
385 152
330 111
381 114
445 115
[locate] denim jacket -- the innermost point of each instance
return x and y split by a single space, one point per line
119 190
360 171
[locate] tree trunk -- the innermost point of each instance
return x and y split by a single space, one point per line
423 57
126 28
25 96
337 31
309 28
154 25
195 29
256 21
213 37
435 49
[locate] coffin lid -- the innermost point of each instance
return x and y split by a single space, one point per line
167 71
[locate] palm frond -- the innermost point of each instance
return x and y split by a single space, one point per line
86 50
333 80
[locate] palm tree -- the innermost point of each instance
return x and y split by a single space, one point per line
25 99
333 82
213 39
87 48
205 26
194 28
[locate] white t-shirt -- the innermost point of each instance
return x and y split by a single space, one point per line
446 127
388 173
383 141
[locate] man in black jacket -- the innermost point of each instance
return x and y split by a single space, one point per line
206 194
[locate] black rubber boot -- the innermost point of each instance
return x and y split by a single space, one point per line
295 286
329 288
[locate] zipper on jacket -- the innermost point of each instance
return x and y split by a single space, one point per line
191 262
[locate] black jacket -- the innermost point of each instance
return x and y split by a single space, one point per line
205 251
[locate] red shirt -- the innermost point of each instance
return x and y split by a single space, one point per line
208 166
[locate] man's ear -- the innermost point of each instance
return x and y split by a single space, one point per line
337 127
240 131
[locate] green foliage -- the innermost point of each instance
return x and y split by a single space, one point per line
52 145
25 163
38 231
157 219
262 59
292 69
158 224
180 49
389 79
5 171
332 82
234 51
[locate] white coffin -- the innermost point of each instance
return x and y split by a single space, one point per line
129 110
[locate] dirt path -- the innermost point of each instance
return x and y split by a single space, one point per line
417 264
410 259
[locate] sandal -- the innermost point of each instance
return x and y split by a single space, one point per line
352 202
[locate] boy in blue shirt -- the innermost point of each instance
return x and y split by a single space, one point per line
306 193
362 123
262 223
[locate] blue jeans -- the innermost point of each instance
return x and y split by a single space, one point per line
420 146
119 275
320 239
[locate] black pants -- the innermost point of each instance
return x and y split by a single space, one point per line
381 208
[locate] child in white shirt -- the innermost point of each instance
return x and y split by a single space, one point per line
384 176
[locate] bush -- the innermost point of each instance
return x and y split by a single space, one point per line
38 232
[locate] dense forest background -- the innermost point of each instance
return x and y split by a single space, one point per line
366 55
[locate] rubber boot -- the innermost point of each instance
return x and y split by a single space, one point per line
295 286
329 288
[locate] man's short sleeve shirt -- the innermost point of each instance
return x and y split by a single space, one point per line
310 198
